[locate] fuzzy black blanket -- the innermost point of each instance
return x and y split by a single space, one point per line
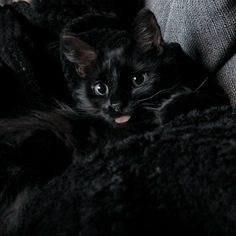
179 178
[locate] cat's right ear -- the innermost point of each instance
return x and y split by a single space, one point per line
146 33
81 54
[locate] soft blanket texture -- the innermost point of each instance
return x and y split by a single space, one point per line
177 179
206 30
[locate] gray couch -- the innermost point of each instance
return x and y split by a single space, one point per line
206 29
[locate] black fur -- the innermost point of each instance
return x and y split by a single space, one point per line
32 151
30 34
111 59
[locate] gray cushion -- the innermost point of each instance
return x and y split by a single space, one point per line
207 32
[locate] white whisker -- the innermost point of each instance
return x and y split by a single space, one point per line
205 80
160 92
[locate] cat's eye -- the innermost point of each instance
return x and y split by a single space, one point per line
101 89
139 79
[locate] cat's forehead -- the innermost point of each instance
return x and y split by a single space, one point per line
125 58
113 55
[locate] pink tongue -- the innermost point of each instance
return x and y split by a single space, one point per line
122 119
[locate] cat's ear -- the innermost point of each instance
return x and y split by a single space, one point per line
146 32
81 54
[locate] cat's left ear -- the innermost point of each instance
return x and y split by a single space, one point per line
80 53
146 32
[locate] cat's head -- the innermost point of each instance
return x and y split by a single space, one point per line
127 84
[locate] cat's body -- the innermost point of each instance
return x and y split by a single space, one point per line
134 77
122 83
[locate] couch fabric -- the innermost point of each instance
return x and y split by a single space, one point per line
207 32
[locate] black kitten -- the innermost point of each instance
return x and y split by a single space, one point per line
135 78
120 82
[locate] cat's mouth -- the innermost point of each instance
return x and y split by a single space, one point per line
122 119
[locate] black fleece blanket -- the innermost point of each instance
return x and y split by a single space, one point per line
180 178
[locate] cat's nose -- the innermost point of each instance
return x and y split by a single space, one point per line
116 107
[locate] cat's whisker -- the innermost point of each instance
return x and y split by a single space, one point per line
152 108
160 92
85 108
155 94
201 85
53 45
147 104
87 112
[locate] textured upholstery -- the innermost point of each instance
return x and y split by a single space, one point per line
207 32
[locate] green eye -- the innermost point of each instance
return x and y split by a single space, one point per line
139 79
101 89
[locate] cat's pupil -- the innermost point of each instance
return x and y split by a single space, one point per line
138 80
101 89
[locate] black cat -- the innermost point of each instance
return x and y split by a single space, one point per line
134 78
122 83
